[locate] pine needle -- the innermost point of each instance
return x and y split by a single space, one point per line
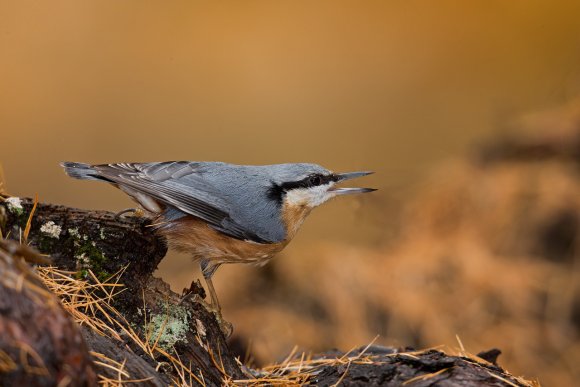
29 221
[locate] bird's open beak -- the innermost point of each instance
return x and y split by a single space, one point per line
348 176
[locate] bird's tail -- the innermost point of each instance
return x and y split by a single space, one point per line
79 170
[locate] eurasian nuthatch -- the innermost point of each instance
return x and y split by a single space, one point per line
219 212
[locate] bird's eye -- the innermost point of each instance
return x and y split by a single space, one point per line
314 180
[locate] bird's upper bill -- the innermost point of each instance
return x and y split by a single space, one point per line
339 177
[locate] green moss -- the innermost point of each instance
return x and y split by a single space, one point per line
170 327
88 256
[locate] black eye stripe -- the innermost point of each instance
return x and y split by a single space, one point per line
313 180
325 179
309 181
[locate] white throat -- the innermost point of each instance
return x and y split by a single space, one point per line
311 197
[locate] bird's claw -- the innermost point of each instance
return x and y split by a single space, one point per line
137 212
226 327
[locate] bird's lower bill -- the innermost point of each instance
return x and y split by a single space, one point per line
349 191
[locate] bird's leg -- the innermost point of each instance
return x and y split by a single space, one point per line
208 269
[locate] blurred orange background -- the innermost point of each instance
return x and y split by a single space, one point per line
393 86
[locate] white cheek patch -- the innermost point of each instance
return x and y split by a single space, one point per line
311 197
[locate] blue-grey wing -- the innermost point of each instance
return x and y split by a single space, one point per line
191 188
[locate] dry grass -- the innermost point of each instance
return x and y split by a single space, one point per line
89 303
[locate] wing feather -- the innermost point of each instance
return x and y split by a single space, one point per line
164 182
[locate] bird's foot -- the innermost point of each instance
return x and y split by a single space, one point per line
138 212
226 327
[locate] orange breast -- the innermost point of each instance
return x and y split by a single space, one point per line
193 235
293 216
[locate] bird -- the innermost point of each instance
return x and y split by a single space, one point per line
223 213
